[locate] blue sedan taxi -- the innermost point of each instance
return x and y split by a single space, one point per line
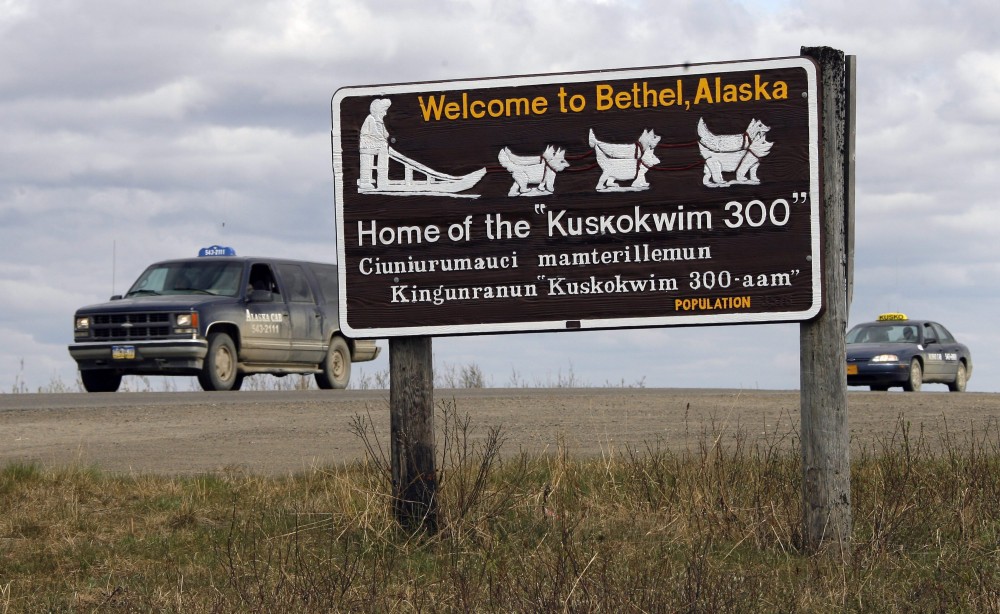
897 351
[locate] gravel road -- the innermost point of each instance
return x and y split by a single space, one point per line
281 432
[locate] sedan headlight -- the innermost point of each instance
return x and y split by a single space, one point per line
886 358
82 323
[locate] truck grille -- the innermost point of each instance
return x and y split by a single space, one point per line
130 326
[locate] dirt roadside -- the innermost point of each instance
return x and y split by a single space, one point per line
283 432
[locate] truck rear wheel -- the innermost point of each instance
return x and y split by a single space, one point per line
100 380
220 371
336 368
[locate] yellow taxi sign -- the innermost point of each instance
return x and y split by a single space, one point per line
891 316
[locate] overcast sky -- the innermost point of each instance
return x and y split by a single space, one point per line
134 131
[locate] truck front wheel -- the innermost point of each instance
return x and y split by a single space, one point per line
220 370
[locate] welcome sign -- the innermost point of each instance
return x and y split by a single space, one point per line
669 196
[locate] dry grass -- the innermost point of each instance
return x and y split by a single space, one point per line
711 529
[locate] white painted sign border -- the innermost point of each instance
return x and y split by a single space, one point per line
815 199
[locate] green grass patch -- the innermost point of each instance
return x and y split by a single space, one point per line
710 529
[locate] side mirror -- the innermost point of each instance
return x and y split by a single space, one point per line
116 297
930 340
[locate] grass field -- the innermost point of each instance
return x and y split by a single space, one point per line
713 528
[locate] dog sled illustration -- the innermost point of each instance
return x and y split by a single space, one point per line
739 153
624 167
533 175
418 179
625 162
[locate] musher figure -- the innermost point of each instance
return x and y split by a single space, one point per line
374 142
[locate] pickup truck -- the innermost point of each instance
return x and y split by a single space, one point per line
219 317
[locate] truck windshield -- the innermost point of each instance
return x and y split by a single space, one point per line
204 277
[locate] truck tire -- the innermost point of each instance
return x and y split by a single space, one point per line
335 372
220 371
100 380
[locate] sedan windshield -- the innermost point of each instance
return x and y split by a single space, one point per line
205 277
883 333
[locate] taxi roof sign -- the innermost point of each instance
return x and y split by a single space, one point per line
216 250
892 316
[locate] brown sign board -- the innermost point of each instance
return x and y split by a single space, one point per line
668 196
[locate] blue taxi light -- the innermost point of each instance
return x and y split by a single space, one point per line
217 250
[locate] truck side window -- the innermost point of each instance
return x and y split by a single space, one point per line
326 275
296 284
261 278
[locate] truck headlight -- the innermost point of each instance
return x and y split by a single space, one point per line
82 323
186 323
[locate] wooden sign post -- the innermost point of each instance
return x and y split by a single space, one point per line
826 465
411 426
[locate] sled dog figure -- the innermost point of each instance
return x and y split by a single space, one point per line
739 153
533 175
625 162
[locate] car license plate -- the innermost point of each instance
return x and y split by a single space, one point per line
123 352
852 369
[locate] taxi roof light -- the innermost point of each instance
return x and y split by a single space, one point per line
886 317
216 250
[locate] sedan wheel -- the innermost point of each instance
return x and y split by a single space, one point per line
916 378
960 380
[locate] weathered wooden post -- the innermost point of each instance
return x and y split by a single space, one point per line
826 477
411 425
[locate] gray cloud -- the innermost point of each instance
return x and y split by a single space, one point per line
136 132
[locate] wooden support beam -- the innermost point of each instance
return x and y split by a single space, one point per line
826 466
411 425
